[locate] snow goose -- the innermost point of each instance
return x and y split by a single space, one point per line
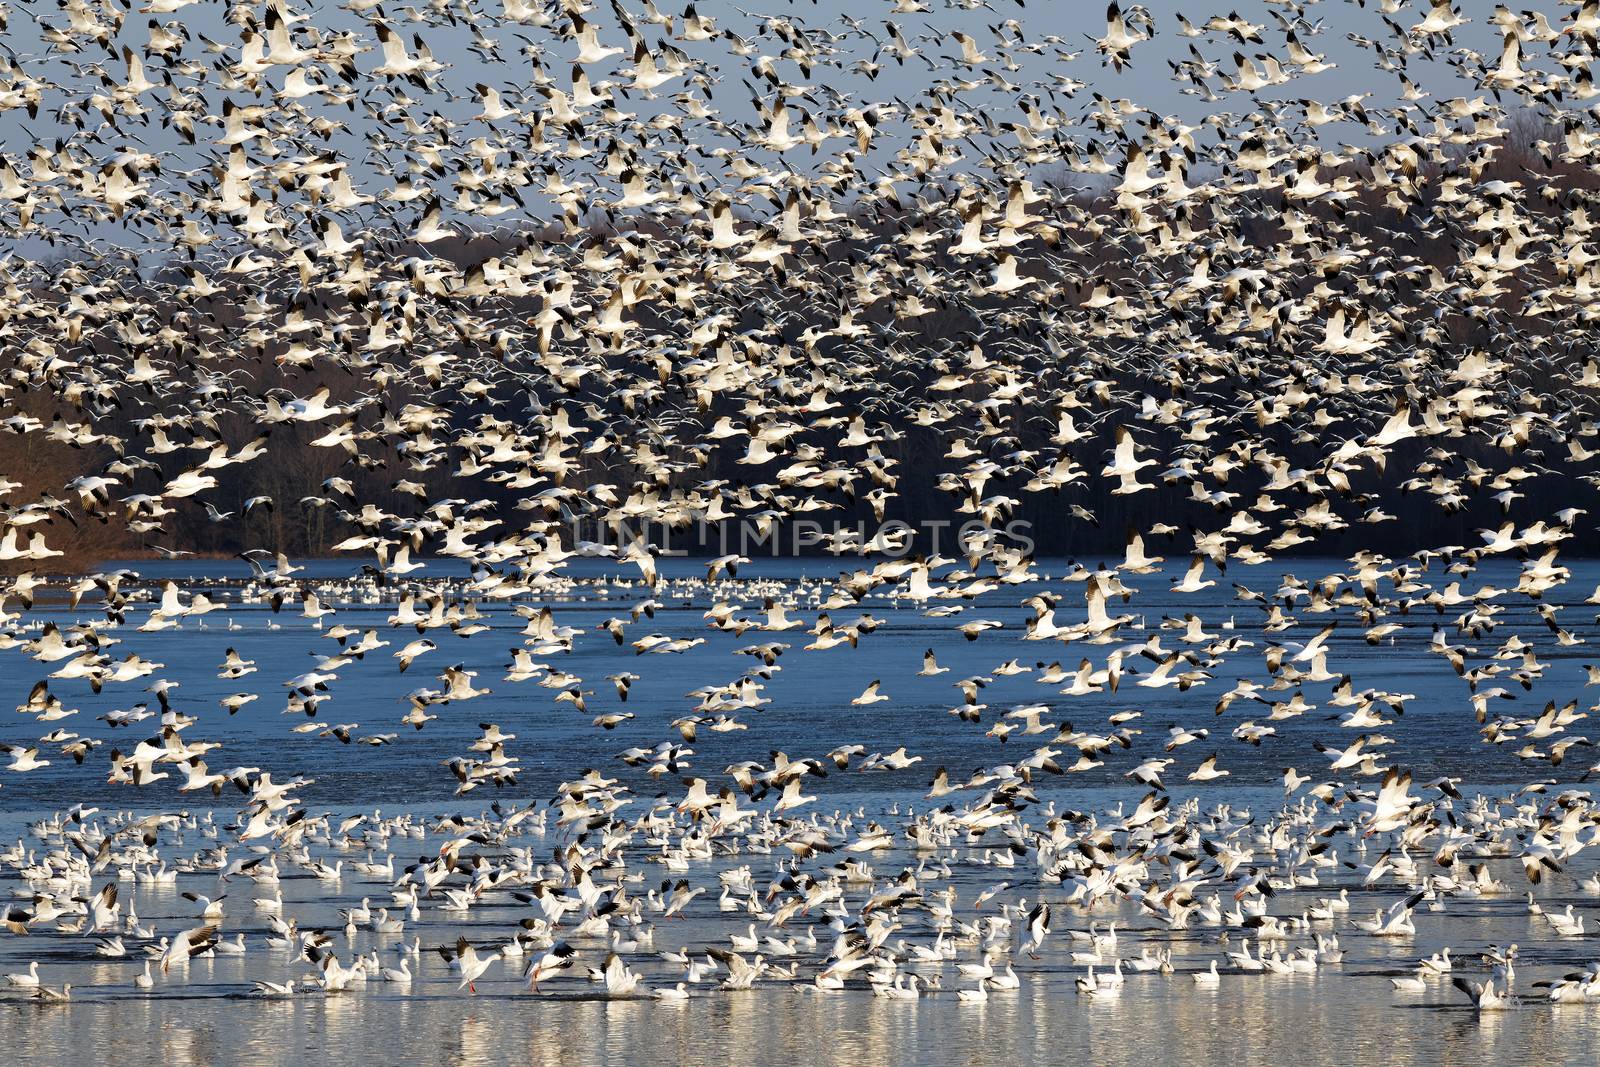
1484 996
28 979
468 963
1410 983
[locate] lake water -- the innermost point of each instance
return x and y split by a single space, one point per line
1344 1013
810 709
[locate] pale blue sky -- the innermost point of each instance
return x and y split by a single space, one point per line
1147 83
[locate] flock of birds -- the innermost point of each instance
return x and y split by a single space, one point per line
628 267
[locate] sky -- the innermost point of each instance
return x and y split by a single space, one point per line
1070 85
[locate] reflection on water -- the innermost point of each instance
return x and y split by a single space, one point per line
1152 1021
